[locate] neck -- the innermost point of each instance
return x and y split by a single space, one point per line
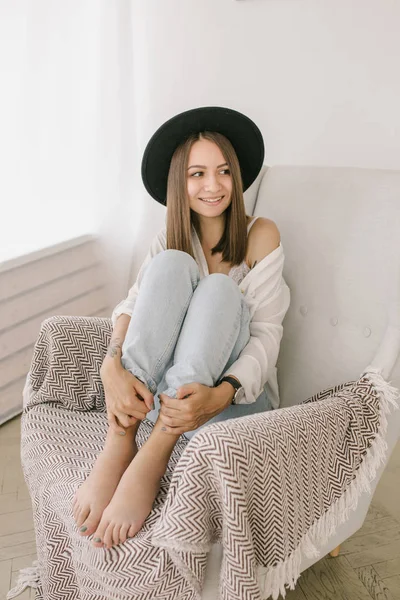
211 230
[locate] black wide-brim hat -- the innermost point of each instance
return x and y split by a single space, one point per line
242 132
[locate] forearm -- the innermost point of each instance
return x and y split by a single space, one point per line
114 350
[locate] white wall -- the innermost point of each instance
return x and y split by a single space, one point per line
319 78
86 83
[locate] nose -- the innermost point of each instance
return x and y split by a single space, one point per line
212 183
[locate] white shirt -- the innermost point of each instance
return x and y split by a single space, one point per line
268 299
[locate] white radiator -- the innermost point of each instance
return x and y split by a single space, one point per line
65 279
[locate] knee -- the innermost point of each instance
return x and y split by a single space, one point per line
220 284
171 261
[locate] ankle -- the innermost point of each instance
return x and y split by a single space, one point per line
156 464
124 433
127 434
124 444
159 446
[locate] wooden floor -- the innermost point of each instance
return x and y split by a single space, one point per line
368 565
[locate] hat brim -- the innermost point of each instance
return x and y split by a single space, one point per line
242 132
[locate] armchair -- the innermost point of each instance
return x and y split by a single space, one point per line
340 232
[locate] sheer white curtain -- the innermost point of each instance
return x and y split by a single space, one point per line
68 159
67 115
48 119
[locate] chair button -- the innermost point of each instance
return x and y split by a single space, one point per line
303 310
367 332
334 321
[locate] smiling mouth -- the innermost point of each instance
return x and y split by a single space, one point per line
212 200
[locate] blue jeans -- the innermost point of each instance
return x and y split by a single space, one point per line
185 329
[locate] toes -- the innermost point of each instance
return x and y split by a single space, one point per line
108 536
99 534
91 523
82 515
123 534
132 531
116 535
75 511
111 534
97 541
76 506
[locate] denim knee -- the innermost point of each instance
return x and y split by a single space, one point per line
222 285
174 262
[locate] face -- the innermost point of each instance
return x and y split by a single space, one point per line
209 181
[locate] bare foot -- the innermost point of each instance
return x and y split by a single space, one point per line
97 490
131 503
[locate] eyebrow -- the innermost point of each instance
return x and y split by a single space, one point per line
204 167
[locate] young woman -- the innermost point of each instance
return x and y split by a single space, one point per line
198 336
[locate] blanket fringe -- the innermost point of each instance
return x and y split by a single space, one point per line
273 581
28 577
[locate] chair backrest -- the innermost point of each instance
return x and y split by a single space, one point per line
340 230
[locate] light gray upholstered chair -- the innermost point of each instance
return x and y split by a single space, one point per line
340 233
340 230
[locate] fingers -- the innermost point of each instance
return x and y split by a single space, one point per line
167 409
138 416
125 420
173 413
113 423
172 403
131 406
187 390
127 395
145 394
120 422
176 423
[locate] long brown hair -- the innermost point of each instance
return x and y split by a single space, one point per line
180 217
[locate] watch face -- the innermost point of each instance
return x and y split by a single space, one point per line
239 395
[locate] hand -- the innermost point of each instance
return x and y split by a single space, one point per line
194 405
127 398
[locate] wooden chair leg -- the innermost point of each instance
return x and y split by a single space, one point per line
335 552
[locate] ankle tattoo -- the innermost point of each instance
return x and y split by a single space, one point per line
115 347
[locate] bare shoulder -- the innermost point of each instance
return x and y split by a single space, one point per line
264 237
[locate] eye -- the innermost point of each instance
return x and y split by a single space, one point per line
196 173
227 171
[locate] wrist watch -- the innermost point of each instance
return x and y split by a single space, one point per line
239 390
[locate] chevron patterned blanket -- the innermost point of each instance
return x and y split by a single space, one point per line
268 487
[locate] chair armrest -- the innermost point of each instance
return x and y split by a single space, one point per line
66 363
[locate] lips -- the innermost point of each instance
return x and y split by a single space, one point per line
212 201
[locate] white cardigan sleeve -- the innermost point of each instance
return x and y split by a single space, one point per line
125 307
268 298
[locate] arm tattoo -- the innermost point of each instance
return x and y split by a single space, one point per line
114 346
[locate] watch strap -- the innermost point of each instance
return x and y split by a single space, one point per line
234 383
